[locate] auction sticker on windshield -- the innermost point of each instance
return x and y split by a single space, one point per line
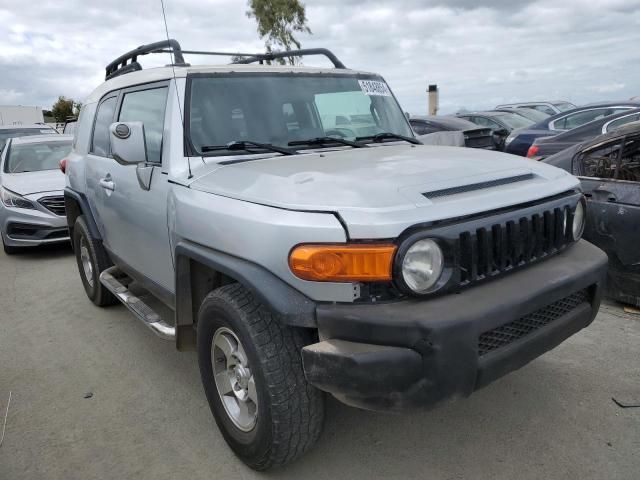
375 87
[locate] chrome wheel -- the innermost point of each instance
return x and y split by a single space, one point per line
85 259
233 378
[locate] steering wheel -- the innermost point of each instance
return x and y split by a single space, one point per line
329 133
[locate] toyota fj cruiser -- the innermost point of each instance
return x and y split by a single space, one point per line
303 241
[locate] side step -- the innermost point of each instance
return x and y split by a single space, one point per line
112 279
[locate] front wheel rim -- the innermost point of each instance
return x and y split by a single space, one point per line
234 380
85 259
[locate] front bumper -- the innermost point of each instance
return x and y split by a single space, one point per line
31 227
418 353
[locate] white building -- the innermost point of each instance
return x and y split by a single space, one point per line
20 115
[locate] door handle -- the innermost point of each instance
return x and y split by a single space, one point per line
107 183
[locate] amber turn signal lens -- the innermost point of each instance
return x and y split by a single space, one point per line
343 263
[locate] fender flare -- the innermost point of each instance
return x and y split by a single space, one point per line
74 199
291 306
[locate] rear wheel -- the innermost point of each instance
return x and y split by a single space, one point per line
252 375
92 260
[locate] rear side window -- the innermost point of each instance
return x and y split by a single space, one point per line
104 118
148 106
423 128
580 118
623 121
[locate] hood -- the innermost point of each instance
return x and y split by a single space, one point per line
394 183
28 183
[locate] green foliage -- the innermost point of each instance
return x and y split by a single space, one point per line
278 20
62 109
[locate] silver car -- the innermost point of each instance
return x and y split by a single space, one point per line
11 131
302 240
31 191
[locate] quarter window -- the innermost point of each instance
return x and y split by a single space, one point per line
104 118
148 106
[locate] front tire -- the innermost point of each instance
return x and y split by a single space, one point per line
92 260
252 374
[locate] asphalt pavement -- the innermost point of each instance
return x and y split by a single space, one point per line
95 395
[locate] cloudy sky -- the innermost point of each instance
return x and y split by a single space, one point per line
480 53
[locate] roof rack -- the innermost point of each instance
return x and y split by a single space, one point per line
120 66
129 61
261 57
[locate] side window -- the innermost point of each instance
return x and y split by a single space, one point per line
104 118
600 162
623 121
629 168
580 118
148 106
485 122
424 128
543 108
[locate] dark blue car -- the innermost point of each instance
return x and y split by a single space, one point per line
519 141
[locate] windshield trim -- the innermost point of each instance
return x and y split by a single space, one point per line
191 151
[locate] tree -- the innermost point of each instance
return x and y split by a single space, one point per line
62 109
277 21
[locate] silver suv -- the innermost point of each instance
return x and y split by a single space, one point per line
304 242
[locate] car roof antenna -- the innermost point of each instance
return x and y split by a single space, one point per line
175 83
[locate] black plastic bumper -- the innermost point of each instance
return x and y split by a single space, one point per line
418 353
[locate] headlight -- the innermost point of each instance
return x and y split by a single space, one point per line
13 200
422 265
577 226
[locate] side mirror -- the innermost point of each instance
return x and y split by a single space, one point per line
501 132
407 115
127 142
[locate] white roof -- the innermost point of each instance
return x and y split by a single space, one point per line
164 73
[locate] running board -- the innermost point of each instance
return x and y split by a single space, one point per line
110 278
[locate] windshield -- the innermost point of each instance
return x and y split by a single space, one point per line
32 157
564 106
22 132
279 109
514 121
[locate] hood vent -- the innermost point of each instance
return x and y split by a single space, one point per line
477 186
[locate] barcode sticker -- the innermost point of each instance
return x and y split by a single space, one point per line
375 87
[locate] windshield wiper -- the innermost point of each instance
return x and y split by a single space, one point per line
247 145
326 141
380 137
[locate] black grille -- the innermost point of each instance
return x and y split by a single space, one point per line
477 186
506 334
54 204
494 249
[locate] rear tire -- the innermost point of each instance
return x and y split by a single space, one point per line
92 260
288 412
